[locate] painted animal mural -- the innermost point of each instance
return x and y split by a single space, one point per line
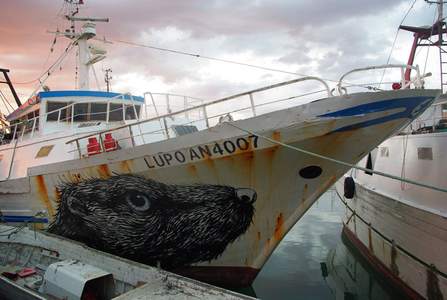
152 222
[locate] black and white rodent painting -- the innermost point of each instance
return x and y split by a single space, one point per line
152 222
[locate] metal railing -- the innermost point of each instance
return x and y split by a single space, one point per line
188 102
417 81
203 108
203 111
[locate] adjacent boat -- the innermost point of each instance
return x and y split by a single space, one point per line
206 191
38 265
400 227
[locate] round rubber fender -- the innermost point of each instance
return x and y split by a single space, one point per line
349 188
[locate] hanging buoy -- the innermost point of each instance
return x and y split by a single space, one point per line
349 188
396 86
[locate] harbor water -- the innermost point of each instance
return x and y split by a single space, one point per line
314 262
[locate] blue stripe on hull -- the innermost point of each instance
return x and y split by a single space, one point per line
412 106
22 219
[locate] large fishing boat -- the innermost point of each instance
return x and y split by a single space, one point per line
398 226
207 191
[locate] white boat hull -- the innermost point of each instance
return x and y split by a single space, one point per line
286 182
401 228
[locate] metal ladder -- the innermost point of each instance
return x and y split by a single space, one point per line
442 45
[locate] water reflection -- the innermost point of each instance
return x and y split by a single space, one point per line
313 245
349 278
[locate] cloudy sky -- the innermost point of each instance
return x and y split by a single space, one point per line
322 38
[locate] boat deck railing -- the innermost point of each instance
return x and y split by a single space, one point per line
164 126
201 117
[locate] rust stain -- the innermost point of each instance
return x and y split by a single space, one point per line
192 170
279 232
305 191
43 194
276 136
104 171
270 152
259 235
248 156
125 166
210 164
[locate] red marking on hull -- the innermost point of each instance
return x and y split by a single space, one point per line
379 267
234 277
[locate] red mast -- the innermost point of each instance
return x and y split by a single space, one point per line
422 37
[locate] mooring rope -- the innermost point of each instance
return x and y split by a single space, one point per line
353 166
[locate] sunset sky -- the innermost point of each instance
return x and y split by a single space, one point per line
321 38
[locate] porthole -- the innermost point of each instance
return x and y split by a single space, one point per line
310 172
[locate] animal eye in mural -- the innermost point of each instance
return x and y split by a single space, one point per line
153 222
138 201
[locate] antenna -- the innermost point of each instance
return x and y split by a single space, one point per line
108 78
88 54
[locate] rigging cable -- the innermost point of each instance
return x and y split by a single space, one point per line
5 100
43 66
395 39
214 58
50 51
440 189
54 65
371 87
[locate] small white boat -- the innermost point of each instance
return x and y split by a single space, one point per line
401 228
38 265
206 191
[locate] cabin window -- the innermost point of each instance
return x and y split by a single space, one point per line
54 107
98 112
116 112
130 112
384 152
425 153
81 112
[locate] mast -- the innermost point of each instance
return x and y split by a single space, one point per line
441 43
422 37
88 54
